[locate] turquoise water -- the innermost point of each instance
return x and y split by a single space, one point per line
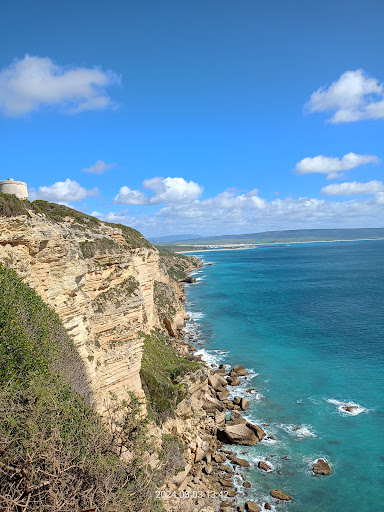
308 321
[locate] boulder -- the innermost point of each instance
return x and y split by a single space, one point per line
320 467
244 404
212 404
236 419
241 462
245 434
217 382
220 371
280 495
236 400
233 381
247 484
251 506
264 466
238 371
222 394
267 506
220 418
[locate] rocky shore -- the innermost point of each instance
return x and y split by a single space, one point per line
207 422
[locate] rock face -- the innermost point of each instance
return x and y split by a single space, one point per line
320 467
105 287
280 495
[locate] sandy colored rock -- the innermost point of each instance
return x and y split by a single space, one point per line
213 404
247 484
233 381
245 434
217 382
321 467
238 371
241 462
251 506
280 495
244 404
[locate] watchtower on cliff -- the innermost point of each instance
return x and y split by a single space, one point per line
16 188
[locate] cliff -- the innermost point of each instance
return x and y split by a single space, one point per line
106 282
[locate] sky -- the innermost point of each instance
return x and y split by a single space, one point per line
205 117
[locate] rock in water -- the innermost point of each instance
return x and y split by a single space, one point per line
264 466
238 371
241 462
320 467
280 495
251 506
233 381
244 404
246 434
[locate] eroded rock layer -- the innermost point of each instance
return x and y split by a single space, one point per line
107 284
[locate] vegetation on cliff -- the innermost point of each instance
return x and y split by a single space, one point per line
161 365
56 452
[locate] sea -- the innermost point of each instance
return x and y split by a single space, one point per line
307 321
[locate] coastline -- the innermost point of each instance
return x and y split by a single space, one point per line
216 477
277 244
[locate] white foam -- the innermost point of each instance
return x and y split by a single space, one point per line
343 406
209 357
195 315
300 431
200 278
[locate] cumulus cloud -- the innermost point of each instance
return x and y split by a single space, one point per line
353 188
62 192
165 190
332 165
231 212
32 83
353 97
99 167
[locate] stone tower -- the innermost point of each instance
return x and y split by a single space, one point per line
17 188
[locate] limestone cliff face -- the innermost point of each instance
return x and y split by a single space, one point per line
106 290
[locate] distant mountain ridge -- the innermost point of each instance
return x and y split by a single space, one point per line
276 236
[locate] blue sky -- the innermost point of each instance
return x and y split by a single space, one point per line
208 117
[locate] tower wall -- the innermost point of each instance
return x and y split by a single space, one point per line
16 188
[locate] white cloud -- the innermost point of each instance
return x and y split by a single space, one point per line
353 188
235 212
128 196
352 97
333 165
99 167
35 82
165 190
62 192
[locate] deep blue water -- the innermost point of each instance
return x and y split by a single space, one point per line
309 320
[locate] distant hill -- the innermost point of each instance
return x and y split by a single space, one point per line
292 235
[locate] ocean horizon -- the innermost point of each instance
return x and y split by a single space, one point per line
307 321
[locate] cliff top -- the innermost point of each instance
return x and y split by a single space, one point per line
11 206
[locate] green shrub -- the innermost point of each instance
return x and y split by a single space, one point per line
161 365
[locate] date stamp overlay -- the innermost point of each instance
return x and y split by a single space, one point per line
195 494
